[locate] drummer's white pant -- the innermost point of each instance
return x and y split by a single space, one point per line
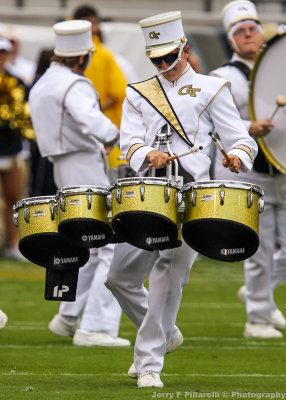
267 267
153 313
99 308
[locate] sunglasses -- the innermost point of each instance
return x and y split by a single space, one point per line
169 59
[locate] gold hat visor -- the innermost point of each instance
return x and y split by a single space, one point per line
161 50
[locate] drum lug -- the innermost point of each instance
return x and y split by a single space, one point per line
249 199
222 195
63 203
27 215
16 219
193 198
167 194
109 216
118 195
89 199
179 198
142 192
261 205
109 200
53 209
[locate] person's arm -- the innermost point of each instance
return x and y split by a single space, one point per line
83 105
233 134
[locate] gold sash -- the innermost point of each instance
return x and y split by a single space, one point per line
153 92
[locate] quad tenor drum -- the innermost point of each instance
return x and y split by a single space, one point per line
145 212
221 218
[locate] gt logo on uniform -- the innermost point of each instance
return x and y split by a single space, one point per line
154 35
188 89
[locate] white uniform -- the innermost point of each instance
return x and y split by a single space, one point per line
272 229
211 108
70 130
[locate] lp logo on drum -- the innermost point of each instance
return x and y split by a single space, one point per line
59 292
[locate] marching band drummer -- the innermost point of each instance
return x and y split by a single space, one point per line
264 270
70 130
193 105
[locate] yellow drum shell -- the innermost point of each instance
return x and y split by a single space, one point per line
153 201
221 218
83 215
145 212
77 206
234 208
36 217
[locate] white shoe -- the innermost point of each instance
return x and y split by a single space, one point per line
261 331
172 346
132 372
83 338
175 343
278 320
13 253
3 319
149 379
59 326
241 294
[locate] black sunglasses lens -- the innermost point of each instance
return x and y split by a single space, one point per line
169 58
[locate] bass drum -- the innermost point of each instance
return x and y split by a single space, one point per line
267 82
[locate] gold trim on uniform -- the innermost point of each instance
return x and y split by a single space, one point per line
206 108
153 92
132 150
246 149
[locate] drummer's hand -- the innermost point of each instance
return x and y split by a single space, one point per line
233 164
260 128
158 158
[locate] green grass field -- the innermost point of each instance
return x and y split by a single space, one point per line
215 361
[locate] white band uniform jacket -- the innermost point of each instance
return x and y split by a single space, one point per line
203 104
80 126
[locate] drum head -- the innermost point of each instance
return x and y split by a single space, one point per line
86 232
146 230
267 82
52 250
221 239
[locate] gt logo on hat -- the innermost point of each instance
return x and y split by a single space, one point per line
154 35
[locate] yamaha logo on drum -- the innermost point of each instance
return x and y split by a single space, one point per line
153 240
230 252
65 260
91 238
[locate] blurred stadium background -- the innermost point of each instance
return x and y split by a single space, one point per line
34 18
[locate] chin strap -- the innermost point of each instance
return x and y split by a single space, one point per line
178 59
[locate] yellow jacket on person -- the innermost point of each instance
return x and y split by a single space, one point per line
108 80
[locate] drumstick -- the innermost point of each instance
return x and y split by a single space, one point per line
281 102
174 157
219 146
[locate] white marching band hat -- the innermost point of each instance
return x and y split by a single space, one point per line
163 33
238 11
73 38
